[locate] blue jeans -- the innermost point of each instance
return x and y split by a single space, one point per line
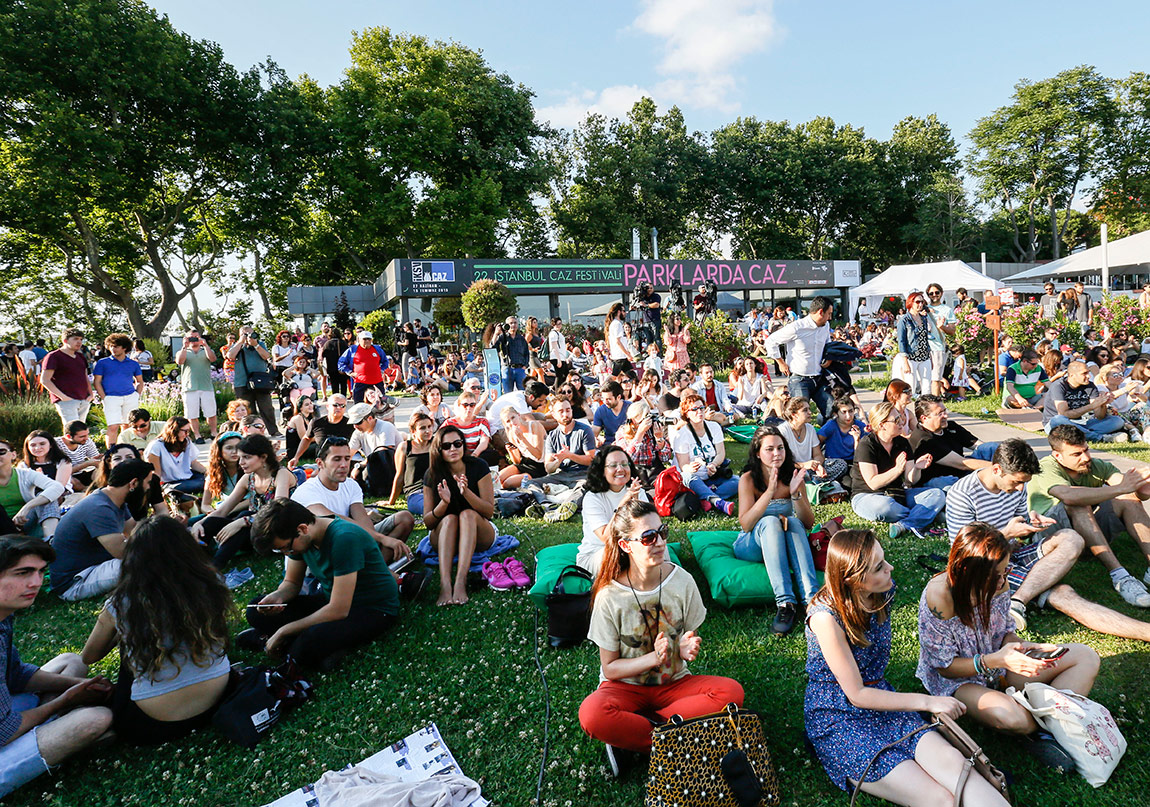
782 551
193 484
807 386
415 503
983 452
710 488
925 505
514 378
1095 428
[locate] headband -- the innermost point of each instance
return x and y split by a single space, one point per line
227 436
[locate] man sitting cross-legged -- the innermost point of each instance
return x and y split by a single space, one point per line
359 600
997 495
570 449
1096 500
331 493
45 715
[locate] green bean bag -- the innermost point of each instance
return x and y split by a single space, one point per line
742 433
553 559
734 583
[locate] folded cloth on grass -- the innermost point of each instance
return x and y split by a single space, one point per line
551 560
501 544
360 787
734 583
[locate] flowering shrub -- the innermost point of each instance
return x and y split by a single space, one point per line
716 341
971 332
1120 313
1023 324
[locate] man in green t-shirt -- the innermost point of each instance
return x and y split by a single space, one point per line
1097 500
358 601
1020 389
195 359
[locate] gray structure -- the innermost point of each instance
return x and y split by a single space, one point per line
548 288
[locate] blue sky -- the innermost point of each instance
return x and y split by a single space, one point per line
868 64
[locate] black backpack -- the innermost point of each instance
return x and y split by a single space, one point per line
569 613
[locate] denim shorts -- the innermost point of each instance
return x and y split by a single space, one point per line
1022 560
20 760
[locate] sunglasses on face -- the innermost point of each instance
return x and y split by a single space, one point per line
339 406
649 537
469 405
696 409
451 445
259 426
4 451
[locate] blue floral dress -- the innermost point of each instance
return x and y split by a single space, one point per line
846 737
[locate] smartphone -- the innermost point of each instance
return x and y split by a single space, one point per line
1046 655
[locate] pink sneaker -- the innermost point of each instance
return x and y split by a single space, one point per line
496 576
517 573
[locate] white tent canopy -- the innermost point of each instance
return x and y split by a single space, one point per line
1133 250
902 280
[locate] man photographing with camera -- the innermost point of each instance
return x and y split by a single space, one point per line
253 381
195 360
651 305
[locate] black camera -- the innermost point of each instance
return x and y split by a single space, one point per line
254 335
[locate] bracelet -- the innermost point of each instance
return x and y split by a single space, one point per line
978 668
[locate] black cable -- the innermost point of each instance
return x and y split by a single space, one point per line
543 678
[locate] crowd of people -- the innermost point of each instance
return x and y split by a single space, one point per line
578 428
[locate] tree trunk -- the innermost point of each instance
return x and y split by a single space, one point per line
259 281
1056 242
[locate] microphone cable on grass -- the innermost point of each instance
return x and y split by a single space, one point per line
543 678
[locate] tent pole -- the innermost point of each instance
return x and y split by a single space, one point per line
1105 260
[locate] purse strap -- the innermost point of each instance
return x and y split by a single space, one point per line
571 570
883 750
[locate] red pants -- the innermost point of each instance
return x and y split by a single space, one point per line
614 713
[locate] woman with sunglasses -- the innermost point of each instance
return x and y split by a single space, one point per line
645 614
644 438
852 712
176 458
774 516
968 649
1129 400
283 354
576 392
917 330
476 430
263 480
702 457
458 503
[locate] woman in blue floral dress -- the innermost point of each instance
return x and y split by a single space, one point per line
851 711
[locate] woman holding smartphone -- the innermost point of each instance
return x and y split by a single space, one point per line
968 649
851 711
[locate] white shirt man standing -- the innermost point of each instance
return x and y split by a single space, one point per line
805 341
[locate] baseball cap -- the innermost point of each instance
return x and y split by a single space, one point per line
358 412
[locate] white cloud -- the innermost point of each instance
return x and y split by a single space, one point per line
612 102
707 37
702 43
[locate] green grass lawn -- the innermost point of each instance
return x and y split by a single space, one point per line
472 671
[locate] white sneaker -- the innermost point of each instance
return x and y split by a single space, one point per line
1135 437
1146 435
1146 577
1133 591
1116 437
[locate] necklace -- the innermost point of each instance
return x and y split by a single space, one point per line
651 631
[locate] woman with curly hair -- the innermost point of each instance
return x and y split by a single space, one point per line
169 615
433 405
238 409
223 470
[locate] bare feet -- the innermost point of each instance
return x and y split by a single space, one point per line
460 595
445 598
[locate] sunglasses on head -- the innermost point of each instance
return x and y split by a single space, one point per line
649 537
332 441
450 444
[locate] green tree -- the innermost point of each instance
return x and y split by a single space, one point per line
428 151
1032 155
447 313
381 323
1122 192
117 132
643 171
487 301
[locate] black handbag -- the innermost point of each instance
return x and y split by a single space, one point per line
256 699
568 613
258 381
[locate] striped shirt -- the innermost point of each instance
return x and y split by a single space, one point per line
472 432
16 677
968 500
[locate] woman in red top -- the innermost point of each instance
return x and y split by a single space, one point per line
476 430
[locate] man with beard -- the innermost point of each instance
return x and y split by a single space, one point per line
91 537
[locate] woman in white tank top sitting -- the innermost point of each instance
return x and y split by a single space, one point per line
169 615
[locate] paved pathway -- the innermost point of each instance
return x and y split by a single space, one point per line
994 431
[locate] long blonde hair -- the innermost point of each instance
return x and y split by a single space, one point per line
879 414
